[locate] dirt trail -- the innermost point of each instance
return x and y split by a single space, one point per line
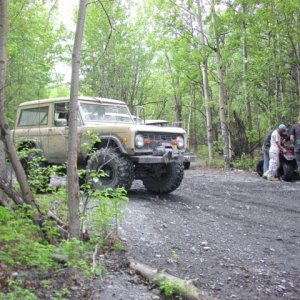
236 232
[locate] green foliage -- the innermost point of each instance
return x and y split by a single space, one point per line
37 171
174 255
154 58
202 151
17 291
163 64
171 287
108 204
60 294
92 139
108 211
119 246
32 50
77 253
245 162
217 163
252 136
16 229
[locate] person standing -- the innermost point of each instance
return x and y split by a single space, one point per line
295 139
275 149
266 148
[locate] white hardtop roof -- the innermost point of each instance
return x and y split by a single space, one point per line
156 122
80 98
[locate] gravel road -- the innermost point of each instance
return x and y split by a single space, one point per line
235 232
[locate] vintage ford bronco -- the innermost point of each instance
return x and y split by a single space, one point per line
126 150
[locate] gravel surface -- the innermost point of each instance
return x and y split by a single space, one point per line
235 232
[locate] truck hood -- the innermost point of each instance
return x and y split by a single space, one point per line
152 128
123 127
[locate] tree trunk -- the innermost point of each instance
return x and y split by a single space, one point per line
224 129
205 87
269 84
3 174
192 98
177 98
3 9
245 70
73 184
3 33
5 132
298 60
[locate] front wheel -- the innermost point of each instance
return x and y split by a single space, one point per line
115 170
286 172
164 179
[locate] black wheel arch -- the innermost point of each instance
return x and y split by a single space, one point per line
106 141
111 141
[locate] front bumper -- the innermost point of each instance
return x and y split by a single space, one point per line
169 157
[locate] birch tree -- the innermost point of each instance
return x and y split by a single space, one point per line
245 68
222 109
204 69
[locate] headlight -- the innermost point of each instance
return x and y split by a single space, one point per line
180 142
139 141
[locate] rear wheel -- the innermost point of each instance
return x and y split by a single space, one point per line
286 172
165 178
117 169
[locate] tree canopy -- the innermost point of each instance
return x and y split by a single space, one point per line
151 53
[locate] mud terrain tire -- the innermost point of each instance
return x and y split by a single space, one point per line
286 172
119 169
166 182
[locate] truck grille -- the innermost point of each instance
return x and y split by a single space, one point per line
157 139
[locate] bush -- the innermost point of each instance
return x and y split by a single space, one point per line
217 163
245 162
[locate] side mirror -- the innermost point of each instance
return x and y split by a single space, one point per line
61 122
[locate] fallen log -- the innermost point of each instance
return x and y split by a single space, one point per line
183 288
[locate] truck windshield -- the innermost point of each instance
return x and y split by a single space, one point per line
108 113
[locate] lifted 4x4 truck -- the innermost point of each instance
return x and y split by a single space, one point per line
126 150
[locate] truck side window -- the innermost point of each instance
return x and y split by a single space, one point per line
34 116
61 114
